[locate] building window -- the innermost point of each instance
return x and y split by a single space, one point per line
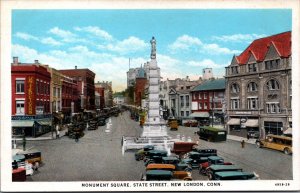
273 128
273 107
37 86
204 95
187 113
54 91
234 70
272 64
182 113
205 105
252 67
187 100
200 105
235 103
20 110
181 101
272 85
200 95
235 88
20 86
252 86
58 92
252 103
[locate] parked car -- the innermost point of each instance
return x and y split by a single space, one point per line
157 175
253 134
213 169
178 173
179 164
197 158
236 175
140 154
155 156
212 160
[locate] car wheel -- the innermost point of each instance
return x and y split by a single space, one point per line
286 151
258 144
209 175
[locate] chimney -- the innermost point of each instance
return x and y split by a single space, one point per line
15 60
36 61
75 67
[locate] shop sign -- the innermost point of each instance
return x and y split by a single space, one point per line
243 112
30 95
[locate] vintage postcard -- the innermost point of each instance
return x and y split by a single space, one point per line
149 96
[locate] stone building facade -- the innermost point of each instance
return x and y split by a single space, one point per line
259 86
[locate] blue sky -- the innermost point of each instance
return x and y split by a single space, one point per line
104 40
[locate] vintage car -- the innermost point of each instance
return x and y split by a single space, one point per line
19 161
157 175
19 175
155 156
195 158
236 175
181 148
172 123
211 170
180 165
140 154
101 121
277 142
212 160
177 173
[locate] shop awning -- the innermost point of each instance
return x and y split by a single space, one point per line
22 123
233 122
251 123
288 131
44 122
199 114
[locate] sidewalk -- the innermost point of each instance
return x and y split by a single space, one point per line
238 138
46 136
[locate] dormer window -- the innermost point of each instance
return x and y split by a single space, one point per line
272 64
234 70
252 67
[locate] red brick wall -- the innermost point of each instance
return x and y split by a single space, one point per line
139 90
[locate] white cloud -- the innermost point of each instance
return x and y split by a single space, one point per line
50 41
185 42
96 31
238 37
25 36
215 49
132 44
206 63
66 36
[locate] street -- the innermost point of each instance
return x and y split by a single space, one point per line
98 157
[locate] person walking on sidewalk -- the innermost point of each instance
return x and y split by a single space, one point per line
243 143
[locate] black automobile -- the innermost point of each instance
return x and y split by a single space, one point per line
253 134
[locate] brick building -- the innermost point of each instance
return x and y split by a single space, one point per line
70 96
105 91
140 82
85 86
100 90
208 99
259 86
30 98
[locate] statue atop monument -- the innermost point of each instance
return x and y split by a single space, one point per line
153 48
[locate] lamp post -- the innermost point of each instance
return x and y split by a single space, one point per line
52 125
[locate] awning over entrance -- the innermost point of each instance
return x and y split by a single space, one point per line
44 122
251 123
233 122
288 131
22 123
200 114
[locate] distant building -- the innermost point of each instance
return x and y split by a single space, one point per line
106 89
100 90
119 100
207 73
85 85
259 86
31 113
208 99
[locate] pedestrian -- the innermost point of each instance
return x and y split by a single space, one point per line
76 136
248 136
57 134
36 166
243 143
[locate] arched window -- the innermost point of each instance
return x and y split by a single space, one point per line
252 86
235 88
273 84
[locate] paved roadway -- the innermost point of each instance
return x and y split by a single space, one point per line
97 156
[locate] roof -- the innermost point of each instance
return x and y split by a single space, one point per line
212 128
259 47
160 167
141 73
224 167
279 136
214 158
217 84
233 173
